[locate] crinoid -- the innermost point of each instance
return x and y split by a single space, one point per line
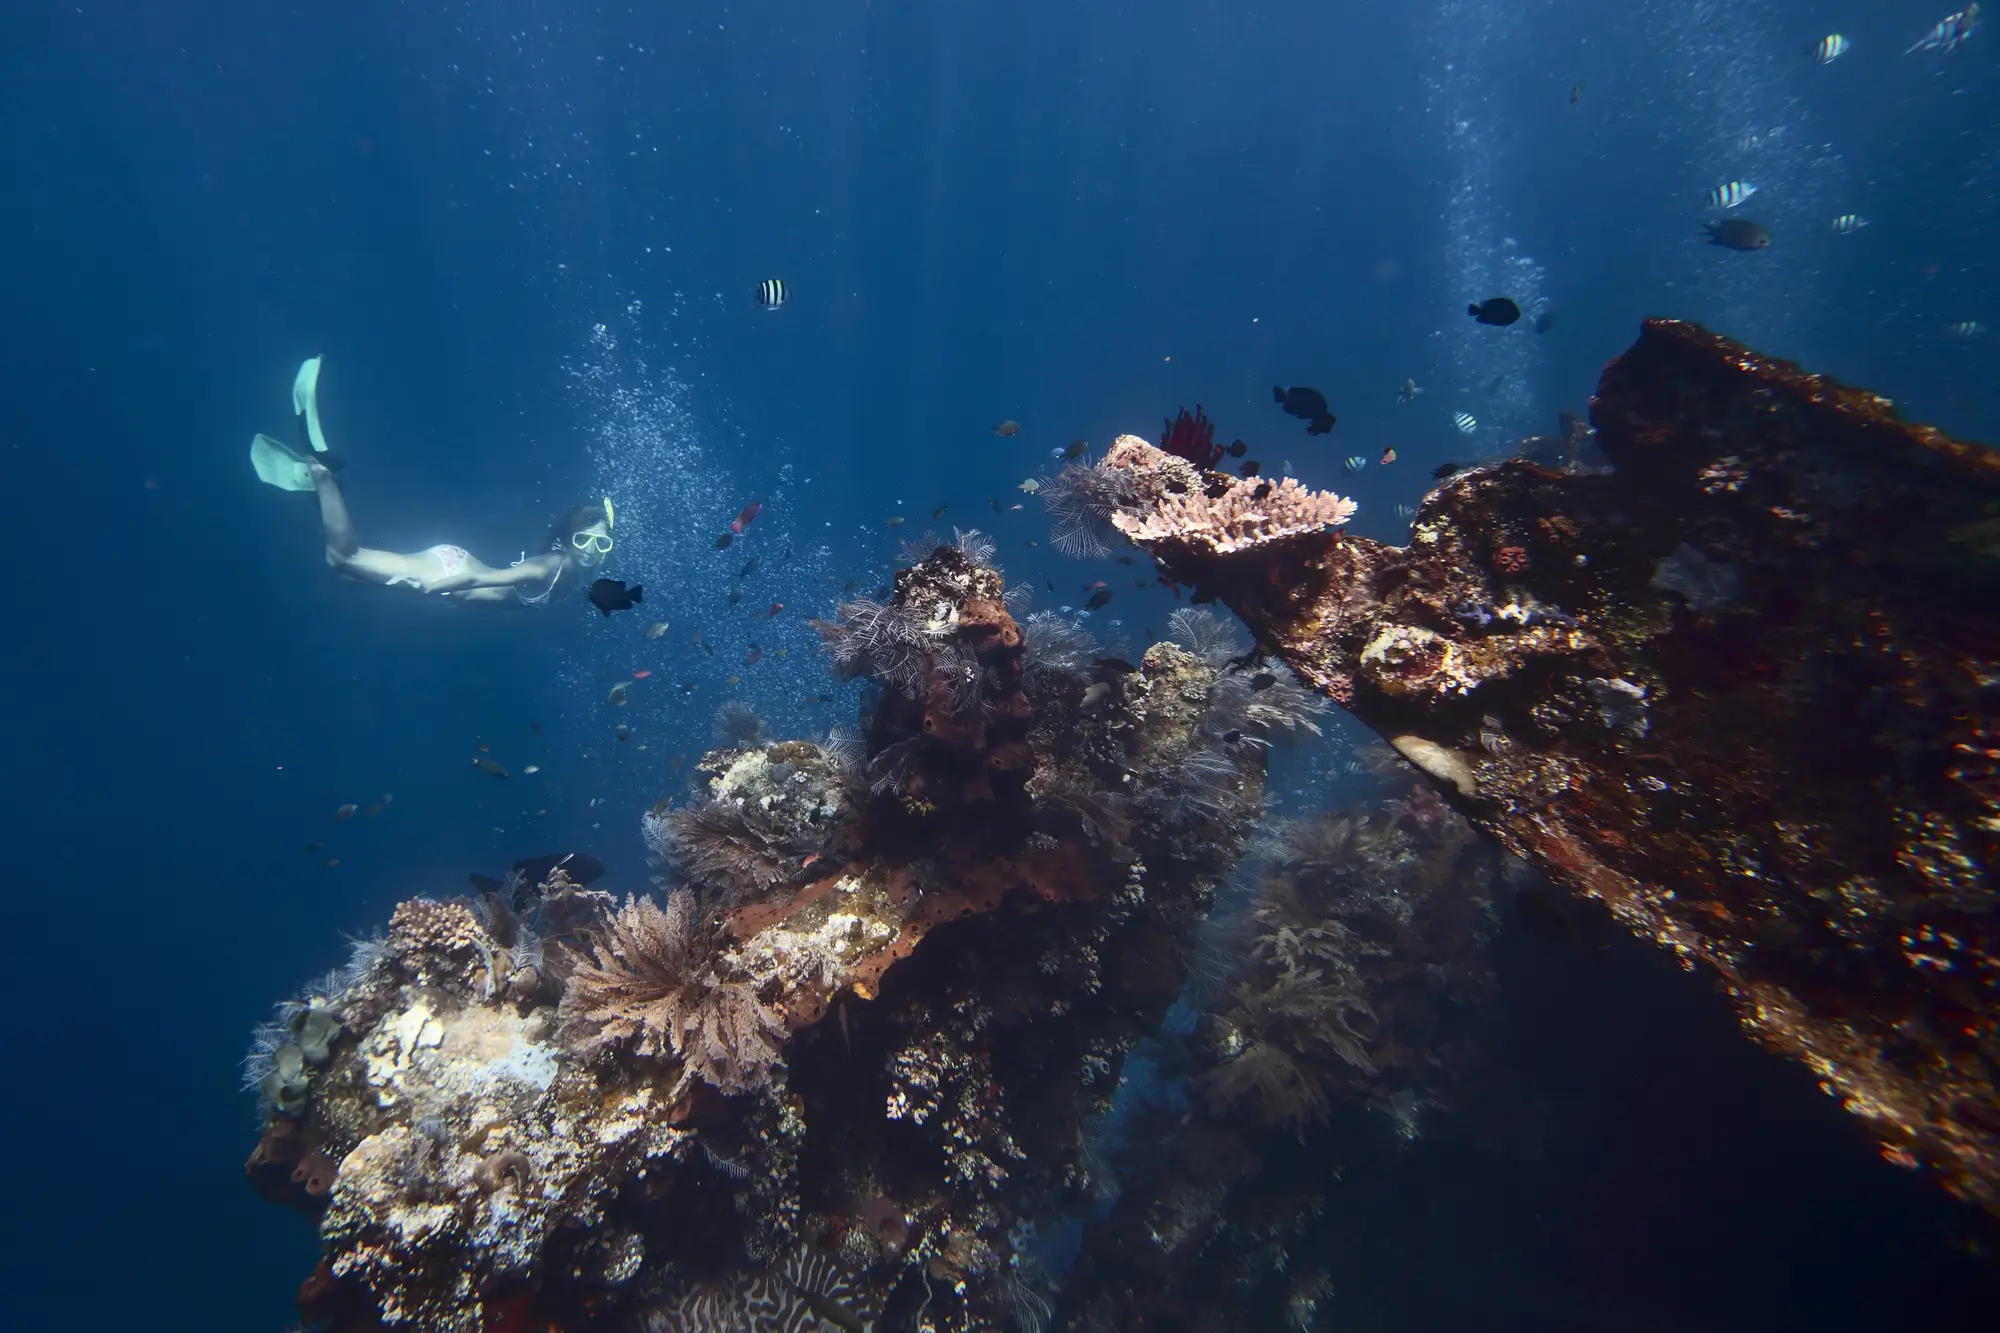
1080 502
1058 646
1205 634
730 848
738 726
974 545
1265 701
650 985
875 639
1192 438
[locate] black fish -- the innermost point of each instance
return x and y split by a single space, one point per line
1263 680
1250 468
1737 234
1101 597
722 542
1498 311
1545 321
1443 470
1306 404
1115 666
749 568
609 595
1237 448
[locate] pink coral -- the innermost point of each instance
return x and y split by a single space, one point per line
1212 512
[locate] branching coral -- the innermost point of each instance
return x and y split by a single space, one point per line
651 985
1212 513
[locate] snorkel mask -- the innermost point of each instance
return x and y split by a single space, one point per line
596 543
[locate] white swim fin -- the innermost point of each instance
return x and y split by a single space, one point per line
279 465
305 401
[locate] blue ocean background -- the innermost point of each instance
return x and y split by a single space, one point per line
525 237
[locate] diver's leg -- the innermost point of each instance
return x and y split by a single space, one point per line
334 521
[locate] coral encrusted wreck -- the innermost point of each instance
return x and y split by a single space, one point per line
838 1071
1744 688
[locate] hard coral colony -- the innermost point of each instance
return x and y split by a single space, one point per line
843 1068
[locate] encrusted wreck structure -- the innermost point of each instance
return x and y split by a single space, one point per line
1741 683
841 1067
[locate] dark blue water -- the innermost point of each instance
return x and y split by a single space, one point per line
525 237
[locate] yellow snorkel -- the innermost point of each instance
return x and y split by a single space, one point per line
610 514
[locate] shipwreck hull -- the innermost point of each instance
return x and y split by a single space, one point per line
1744 688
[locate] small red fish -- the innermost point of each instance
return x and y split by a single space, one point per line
1388 456
747 517
807 864
1097 585
775 608
640 675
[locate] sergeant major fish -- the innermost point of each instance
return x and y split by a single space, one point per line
1949 33
1730 195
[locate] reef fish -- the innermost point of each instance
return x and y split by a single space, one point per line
1499 311
1353 463
1949 32
1545 321
488 767
1730 195
1100 598
1967 329
1465 421
609 595
346 812
1309 405
656 629
1737 234
1829 48
722 542
1030 486
1408 393
747 517
617 695
772 294
1847 224
1007 428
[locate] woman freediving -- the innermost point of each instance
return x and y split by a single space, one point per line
578 542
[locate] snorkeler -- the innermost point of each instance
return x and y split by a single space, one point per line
579 541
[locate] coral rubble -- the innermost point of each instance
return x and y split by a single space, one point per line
841 1069
1742 688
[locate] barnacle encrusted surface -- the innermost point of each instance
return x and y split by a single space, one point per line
1742 689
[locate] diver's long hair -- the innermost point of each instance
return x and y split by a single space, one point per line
572 521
